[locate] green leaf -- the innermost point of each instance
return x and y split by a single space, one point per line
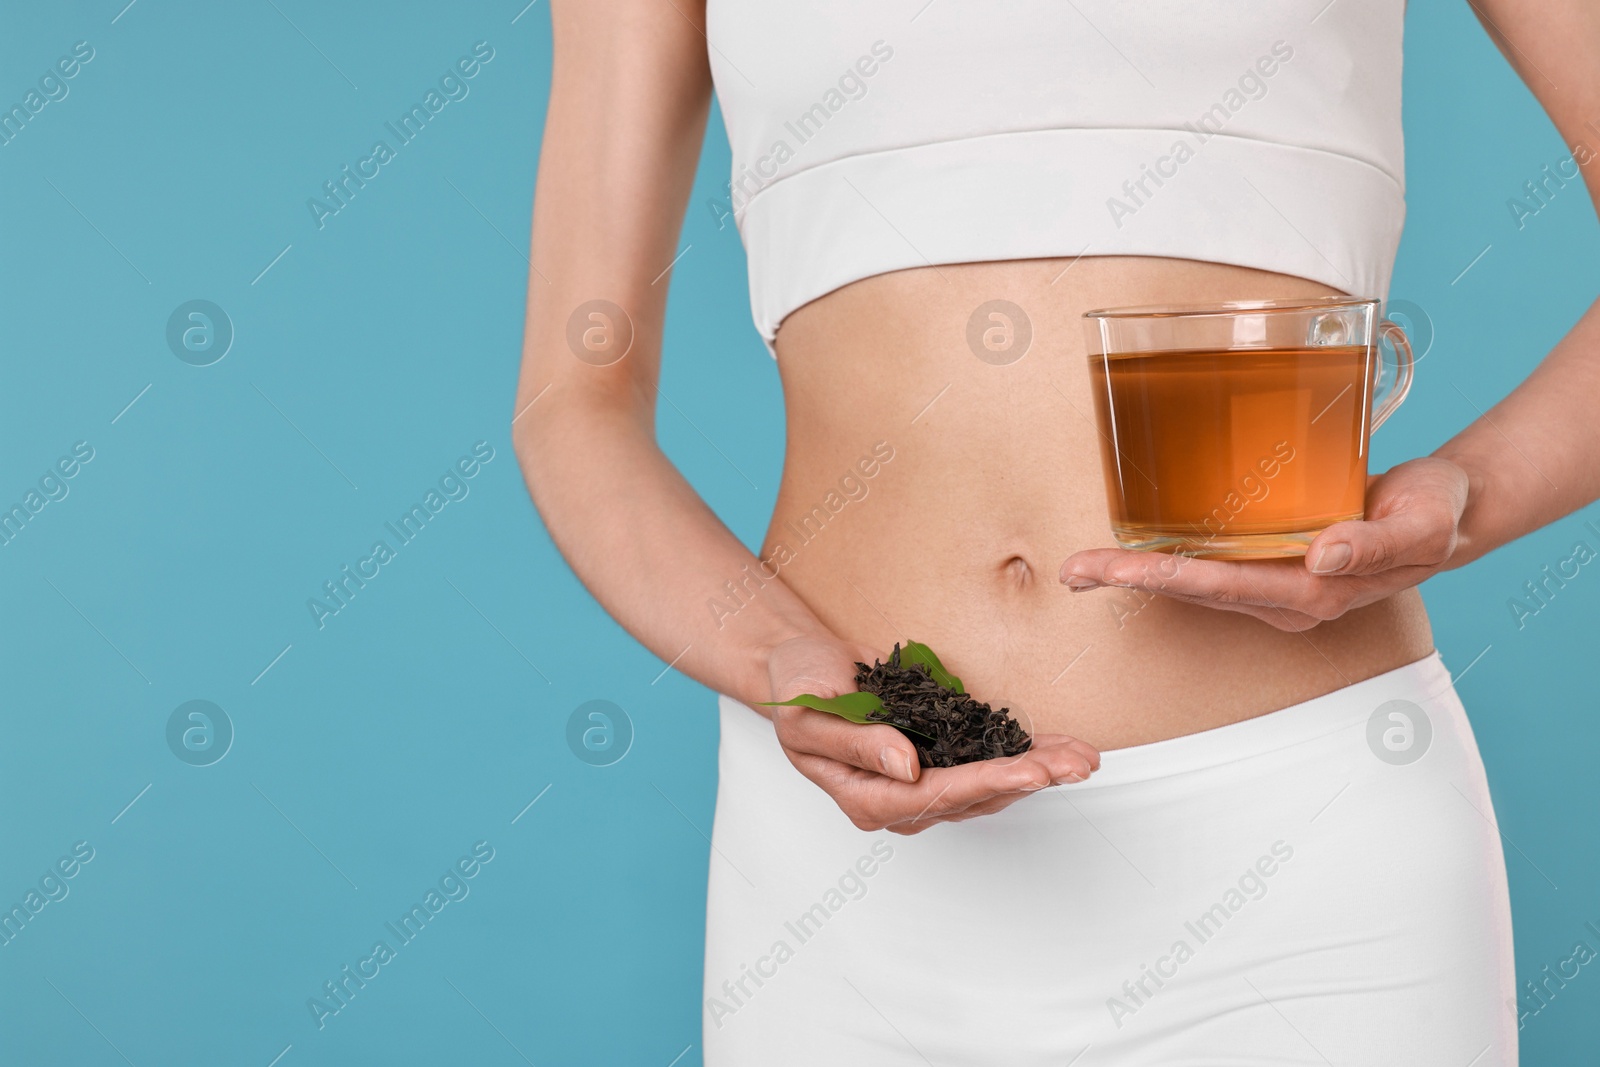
856 707
852 706
917 652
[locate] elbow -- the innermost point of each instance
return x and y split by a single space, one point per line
528 443
529 430
536 410
557 431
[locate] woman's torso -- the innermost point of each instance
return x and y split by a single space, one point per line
876 147
932 494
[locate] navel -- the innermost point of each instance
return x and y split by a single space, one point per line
1016 572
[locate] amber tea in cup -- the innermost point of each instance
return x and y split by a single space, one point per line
1239 430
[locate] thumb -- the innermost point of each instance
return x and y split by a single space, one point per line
1415 534
818 679
823 669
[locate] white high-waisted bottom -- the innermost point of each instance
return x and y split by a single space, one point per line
1320 885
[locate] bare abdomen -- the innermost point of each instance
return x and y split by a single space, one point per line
935 480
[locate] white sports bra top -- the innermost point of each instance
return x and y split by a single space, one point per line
870 136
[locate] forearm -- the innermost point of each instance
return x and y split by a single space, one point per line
630 92
1532 458
650 550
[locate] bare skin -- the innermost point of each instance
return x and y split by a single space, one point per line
985 535
960 537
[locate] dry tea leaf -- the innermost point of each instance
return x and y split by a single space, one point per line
923 699
914 693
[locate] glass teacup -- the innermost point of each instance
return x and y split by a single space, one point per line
1239 430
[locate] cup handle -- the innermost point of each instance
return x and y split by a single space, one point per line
1402 381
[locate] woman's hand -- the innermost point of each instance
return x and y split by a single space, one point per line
1413 514
872 772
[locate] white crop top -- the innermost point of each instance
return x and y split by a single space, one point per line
871 136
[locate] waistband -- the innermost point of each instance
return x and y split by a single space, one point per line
1425 682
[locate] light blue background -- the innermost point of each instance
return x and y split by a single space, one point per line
427 714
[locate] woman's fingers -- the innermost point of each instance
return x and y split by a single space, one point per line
872 771
874 801
884 749
1282 592
879 749
1216 582
1411 530
1412 517
1083 748
983 788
